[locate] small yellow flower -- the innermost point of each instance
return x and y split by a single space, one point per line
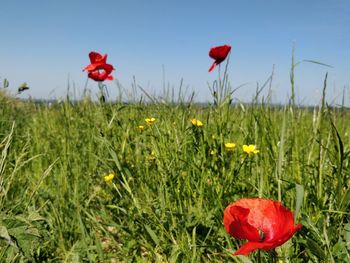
250 149
141 128
150 121
230 146
108 178
151 157
196 123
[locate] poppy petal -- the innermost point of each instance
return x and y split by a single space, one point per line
277 213
219 53
248 247
94 75
212 66
236 223
90 67
96 57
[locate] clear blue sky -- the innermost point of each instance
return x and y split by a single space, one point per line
45 43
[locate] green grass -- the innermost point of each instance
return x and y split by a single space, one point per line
172 181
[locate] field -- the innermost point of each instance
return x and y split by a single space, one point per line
172 179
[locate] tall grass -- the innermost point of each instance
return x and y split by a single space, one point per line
172 180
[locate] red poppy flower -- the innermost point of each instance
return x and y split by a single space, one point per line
266 224
98 69
219 54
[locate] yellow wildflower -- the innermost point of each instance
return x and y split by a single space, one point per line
196 123
141 128
151 157
108 178
250 149
229 146
150 121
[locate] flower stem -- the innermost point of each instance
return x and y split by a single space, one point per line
102 94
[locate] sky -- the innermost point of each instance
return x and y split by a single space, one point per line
159 43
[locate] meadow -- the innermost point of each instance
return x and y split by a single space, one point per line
171 178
